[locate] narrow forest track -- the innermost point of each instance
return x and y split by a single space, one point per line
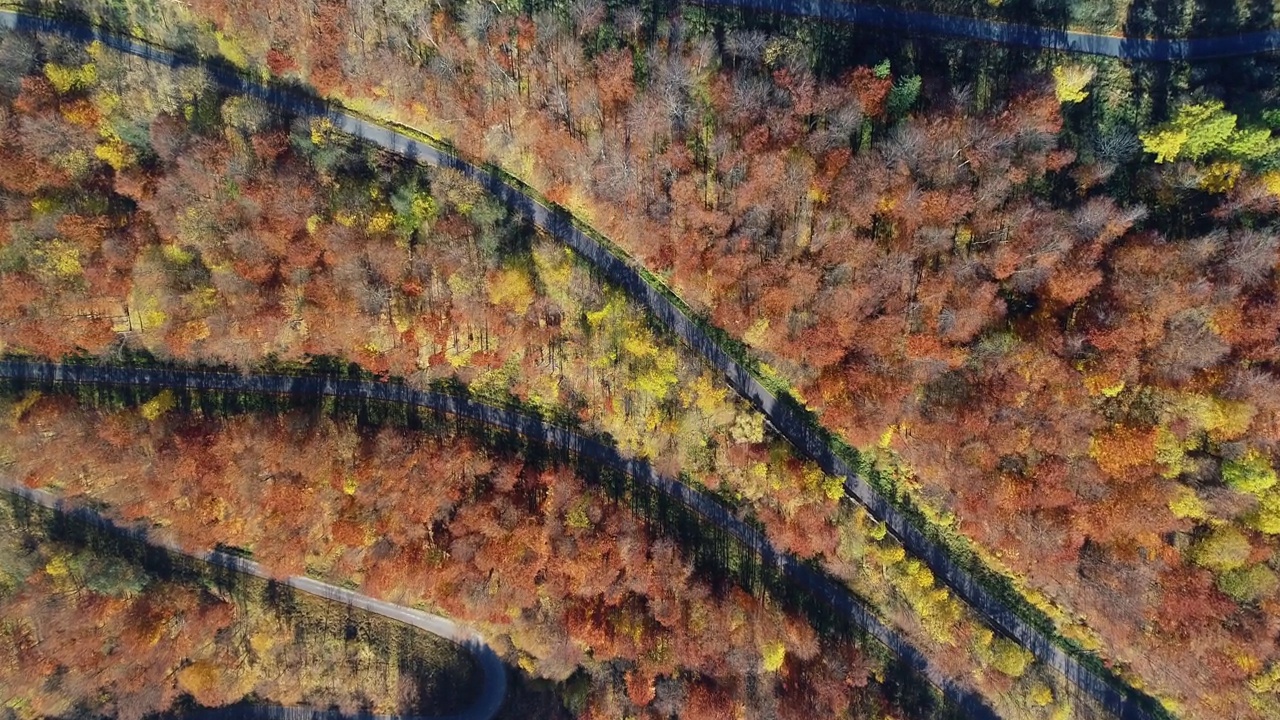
783 414
1033 36
532 428
493 688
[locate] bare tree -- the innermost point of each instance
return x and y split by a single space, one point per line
745 45
17 57
477 19
1189 345
587 16
1252 256
1118 146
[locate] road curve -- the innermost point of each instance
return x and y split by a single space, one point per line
535 429
493 690
785 418
1116 46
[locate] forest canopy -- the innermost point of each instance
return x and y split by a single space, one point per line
1041 300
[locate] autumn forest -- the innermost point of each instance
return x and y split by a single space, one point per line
701 361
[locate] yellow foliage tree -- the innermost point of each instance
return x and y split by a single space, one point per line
1267 680
1195 131
1009 657
201 679
577 517
1223 550
659 378
513 288
1266 518
158 405
381 221
833 487
1250 143
1186 504
705 394
1220 177
758 332
57 566
1202 129
1222 419
65 79
1041 695
1170 452
1271 181
1166 145
748 427
1252 473
321 129
1249 585
59 260
115 153
1208 127
773 655
937 609
1070 81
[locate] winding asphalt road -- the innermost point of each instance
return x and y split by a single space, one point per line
535 429
908 21
785 418
493 688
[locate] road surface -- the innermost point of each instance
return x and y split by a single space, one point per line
493 689
785 418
